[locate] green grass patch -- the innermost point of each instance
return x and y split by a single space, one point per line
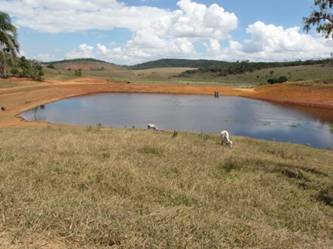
150 150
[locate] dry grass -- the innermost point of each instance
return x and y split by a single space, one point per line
158 74
302 75
119 74
308 75
114 188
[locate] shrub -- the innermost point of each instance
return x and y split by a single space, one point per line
51 66
14 71
78 72
281 79
27 68
36 71
325 195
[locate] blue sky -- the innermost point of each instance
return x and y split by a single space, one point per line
133 31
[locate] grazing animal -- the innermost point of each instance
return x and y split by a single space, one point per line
225 138
3 108
151 127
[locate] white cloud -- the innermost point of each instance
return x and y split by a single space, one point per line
191 19
213 46
79 15
276 43
270 38
160 32
102 49
155 32
198 20
84 51
133 52
265 43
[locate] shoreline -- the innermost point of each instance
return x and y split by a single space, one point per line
22 98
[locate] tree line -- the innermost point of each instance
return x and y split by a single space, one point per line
227 68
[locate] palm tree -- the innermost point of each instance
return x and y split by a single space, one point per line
9 46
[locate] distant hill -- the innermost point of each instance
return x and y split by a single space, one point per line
82 63
76 60
85 67
180 70
214 64
212 69
175 63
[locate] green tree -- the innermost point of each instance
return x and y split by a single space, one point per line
24 67
78 72
36 71
9 47
321 17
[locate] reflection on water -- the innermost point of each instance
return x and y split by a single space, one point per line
244 117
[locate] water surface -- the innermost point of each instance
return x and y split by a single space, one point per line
241 116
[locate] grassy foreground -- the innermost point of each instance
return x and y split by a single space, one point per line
102 188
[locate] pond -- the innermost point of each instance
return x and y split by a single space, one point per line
240 116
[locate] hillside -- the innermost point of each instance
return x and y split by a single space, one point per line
309 74
243 72
114 188
68 69
193 71
76 60
83 63
222 66
175 63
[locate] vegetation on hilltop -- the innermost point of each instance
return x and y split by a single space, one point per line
304 73
163 63
223 66
75 60
86 67
240 67
246 71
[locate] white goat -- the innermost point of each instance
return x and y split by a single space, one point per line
151 127
225 138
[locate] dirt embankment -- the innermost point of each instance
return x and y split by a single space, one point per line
26 95
313 96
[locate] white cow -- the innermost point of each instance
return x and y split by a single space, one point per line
225 138
151 127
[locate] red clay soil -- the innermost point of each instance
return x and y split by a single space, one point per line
26 96
314 96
